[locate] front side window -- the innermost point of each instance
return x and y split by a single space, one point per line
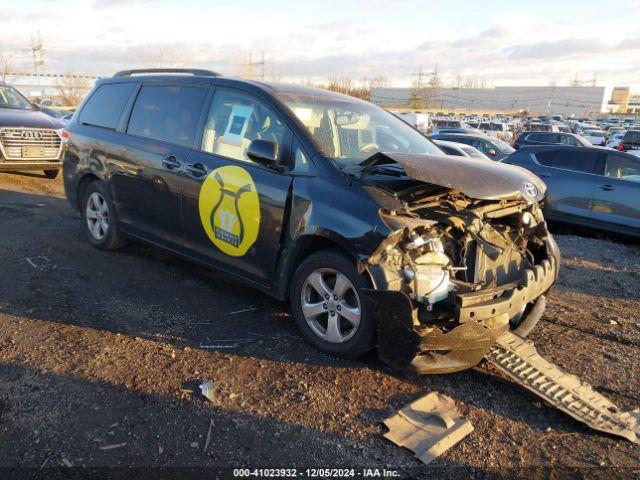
235 120
11 98
350 130
167 113
622 167
105 106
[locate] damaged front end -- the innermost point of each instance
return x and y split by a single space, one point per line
455 274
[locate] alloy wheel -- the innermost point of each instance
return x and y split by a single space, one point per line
97 215
330 305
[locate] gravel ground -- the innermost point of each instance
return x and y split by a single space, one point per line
100 359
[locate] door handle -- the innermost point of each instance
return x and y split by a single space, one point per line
606 187
170 162
197 170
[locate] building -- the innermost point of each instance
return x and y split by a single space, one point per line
619 102
566 101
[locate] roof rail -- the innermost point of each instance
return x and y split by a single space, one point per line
147 71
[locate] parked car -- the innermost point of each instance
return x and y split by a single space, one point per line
492 147
419 121
594 136
29 139
287 188
591 187
542 127
547 138
630 141
460 149
614 141
472 131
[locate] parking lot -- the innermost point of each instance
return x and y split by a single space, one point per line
101 355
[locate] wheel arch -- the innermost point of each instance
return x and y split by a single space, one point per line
305 246
83 183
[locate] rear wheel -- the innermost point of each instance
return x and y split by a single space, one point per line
51 173
327 305
99 217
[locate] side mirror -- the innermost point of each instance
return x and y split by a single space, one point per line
264 152
492 152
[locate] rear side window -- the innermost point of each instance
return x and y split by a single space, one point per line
167 113
569 160
106 105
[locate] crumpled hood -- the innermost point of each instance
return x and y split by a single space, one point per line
475 178
27 119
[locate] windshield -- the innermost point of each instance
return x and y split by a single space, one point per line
350 131
593 133
503 146
11 98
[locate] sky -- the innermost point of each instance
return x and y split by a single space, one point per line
496 42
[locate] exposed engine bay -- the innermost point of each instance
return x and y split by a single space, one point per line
463 271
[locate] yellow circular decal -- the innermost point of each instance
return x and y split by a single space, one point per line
230 209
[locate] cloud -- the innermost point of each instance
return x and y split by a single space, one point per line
567 47
634 7
104 4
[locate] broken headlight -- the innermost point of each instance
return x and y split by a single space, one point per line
428 271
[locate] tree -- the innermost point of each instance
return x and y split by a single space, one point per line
7 61
72 88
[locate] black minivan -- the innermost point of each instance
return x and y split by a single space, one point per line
373 234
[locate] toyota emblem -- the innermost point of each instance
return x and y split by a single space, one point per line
530 189
31 135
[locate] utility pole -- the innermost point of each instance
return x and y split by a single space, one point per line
595 79
261 67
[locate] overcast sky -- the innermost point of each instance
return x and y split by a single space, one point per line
500 42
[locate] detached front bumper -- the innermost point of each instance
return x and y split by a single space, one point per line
480 318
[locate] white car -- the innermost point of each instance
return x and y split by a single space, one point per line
460 149
496 130
595 136
615 140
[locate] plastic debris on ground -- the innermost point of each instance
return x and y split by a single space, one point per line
428 426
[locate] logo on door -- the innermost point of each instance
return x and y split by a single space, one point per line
230 209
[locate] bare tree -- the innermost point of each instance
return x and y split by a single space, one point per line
7 62
72 88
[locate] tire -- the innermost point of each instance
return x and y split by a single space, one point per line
304 296
51 173
97 198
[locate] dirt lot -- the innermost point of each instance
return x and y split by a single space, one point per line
102 349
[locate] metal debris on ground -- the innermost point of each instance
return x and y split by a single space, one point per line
428 426
111 447
520 360
39 263
206 443
207 390
228 343
244 310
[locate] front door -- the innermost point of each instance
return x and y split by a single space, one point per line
233 208
150 159
616 199
570 175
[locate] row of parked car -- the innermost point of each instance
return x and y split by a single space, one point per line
587 185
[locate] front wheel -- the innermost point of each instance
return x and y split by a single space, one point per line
327 305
